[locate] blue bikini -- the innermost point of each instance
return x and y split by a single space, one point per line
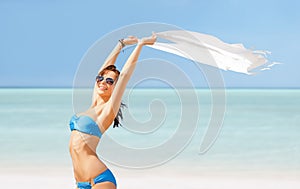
86 124
106 176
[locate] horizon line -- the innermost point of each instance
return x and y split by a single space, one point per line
152 87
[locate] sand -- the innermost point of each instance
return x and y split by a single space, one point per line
62 177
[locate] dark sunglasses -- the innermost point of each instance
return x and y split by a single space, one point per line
108 80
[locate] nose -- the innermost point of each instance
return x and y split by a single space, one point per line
103 82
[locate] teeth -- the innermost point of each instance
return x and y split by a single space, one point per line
102 88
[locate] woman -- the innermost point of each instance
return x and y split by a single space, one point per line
88 127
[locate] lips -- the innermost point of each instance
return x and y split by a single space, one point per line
102 87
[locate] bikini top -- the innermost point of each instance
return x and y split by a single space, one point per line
85 124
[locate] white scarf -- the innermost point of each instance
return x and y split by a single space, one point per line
207 49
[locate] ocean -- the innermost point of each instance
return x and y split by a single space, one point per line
259 130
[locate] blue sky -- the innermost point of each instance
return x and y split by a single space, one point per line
43 41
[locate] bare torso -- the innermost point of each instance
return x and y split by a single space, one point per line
86 163
82 147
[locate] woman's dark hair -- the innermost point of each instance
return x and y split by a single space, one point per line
112 68
119 114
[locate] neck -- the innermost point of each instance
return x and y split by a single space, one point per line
100 101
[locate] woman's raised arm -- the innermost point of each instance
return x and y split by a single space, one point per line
111 59
113 105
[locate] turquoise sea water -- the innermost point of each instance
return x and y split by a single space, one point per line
261 128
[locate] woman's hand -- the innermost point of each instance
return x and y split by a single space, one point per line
148 40
130 40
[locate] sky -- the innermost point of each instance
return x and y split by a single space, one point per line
42 42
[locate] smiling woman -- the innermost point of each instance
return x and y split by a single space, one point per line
87 127
105 80
104 84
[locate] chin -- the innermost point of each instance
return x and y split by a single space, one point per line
100 92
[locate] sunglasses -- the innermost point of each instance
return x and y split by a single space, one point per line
108 80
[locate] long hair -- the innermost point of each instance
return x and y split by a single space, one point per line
119 115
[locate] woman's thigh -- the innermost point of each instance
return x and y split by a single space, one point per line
104 185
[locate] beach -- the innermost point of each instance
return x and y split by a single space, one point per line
258 145
62 178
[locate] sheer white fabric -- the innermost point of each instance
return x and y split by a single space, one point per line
207 49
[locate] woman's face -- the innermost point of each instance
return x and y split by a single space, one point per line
104 85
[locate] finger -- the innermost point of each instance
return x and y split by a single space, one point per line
132 37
